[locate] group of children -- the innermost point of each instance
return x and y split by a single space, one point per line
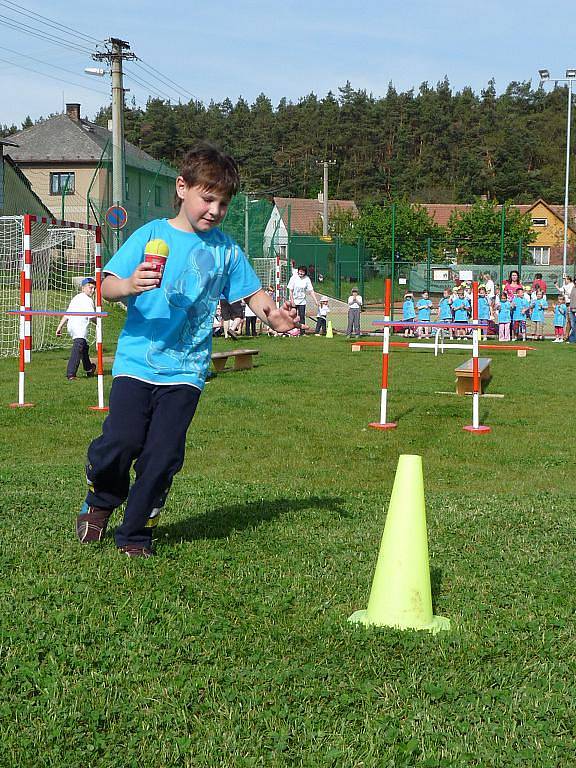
509 310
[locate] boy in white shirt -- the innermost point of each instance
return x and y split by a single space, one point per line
354 307
78 329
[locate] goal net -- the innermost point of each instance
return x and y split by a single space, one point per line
61 257
273 274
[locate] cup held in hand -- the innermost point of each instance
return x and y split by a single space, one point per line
155 255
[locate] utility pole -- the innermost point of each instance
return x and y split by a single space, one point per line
118 52
326 164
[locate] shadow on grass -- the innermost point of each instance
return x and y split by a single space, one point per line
399 416
435 586
219 523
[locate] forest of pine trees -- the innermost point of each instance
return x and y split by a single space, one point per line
430 145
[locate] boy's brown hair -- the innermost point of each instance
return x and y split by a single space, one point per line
208 167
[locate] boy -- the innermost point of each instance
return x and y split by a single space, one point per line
408 313
354 309
164 350
520 307
537 307
424 307
445 312
78 329
484 312
322 316
461 307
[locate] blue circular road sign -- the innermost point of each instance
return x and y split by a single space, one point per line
116 216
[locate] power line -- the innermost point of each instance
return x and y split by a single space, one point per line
52 77
14 7
145 84
45 63
167 80
28 30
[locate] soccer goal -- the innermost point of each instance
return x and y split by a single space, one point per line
273 273
42 264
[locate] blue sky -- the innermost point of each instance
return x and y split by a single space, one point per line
230 49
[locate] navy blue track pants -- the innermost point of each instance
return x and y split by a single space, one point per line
146 427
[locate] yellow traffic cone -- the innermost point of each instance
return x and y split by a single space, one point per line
401 596
329 334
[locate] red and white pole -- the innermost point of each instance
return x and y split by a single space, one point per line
27 286
25 339
100 363
475 426
277 283
383 424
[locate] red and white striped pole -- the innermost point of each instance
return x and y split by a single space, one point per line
27 286
475 426
277 284
383 424
25 339
100 363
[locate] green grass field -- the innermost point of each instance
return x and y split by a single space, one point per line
232 646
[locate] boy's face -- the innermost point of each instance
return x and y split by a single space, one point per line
201 208
89 289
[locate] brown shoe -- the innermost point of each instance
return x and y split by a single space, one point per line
133 550
92 371
91 524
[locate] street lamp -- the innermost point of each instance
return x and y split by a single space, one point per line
570 77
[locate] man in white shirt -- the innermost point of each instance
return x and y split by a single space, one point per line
78 329
299 285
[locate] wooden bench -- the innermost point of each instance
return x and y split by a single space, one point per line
465 375
242 359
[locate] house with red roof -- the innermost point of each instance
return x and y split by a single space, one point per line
547 223
299 216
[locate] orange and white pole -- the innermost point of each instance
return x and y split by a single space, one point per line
100 360
475 426
383 424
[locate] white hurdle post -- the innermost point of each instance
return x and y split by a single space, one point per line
100 360
383 424
475 426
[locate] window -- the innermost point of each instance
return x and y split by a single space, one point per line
157 196
126 189
540 254
539 222
62 183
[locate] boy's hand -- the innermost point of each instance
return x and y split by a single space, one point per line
284 318
143 279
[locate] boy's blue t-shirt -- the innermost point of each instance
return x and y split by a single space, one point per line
538 307
167 336
560 315
460 307
424 306
408 311
504 312
517 306
483 308
445 309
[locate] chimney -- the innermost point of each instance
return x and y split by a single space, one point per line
73 112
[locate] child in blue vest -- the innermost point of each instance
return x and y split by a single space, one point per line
408 313
164 350
520 306
560 312
424 307
537 307
484 312
504 310
461 307
445 313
